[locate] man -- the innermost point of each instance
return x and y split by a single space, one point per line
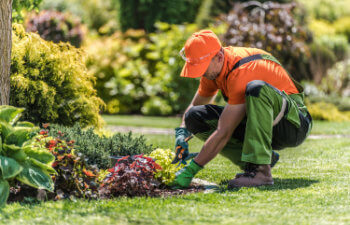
264 111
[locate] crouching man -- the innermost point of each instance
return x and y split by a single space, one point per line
265 110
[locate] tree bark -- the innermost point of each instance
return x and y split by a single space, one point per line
5 50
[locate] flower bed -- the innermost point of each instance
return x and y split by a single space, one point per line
131 176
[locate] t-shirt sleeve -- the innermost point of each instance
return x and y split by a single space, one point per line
207 88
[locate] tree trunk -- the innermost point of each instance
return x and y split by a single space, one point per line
5 50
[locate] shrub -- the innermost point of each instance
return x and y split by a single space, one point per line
19 159
137 68
99 15
342 26
328 10
272 27
56 26
74 177
338 79
51 81
325 52
326 111
97 150
139 14
131 176
163 158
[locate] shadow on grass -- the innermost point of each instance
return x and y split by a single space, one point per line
279 184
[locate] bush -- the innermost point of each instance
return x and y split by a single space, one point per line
51 81
140 14
55 26
97 150
326 111
137 68
325 52
74 178
99 15
328 10
166 175
272 27
342 26
338 79
131 176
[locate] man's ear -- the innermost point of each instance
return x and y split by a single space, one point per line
221 56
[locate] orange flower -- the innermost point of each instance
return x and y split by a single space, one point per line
88 173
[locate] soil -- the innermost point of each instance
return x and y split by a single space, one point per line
27 194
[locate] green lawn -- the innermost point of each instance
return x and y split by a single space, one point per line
311 187
142 121
320 127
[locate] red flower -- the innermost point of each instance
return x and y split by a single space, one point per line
54 164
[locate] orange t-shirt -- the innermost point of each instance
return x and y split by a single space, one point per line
235 85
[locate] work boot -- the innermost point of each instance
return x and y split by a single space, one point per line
254 175
274 159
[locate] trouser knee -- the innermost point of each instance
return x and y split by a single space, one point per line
193 120
196 117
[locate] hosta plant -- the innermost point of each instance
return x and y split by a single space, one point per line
166 175
131 176
19 159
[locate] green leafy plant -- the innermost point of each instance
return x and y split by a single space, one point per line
74 178
51 81
139 14
139 73
98 149
163 158
19 159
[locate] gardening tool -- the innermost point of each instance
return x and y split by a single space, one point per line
179 154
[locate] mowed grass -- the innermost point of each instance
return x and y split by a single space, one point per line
311 187
319 127
142 121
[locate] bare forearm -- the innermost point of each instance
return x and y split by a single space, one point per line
214 144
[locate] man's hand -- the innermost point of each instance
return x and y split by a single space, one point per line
184 176
181 146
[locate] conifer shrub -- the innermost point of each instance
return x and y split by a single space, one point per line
51 81
96 149
56 26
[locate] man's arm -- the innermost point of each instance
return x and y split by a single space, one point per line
228 121
197 100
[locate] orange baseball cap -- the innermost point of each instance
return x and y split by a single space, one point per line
199 49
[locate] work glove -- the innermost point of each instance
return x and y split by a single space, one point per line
185 175
181 146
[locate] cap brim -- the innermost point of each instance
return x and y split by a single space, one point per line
195 70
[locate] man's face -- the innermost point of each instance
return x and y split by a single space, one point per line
213 70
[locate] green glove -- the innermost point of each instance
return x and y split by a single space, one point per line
185 175
181 134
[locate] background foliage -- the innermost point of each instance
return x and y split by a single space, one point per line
51 82
142 14
56 26
140 73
